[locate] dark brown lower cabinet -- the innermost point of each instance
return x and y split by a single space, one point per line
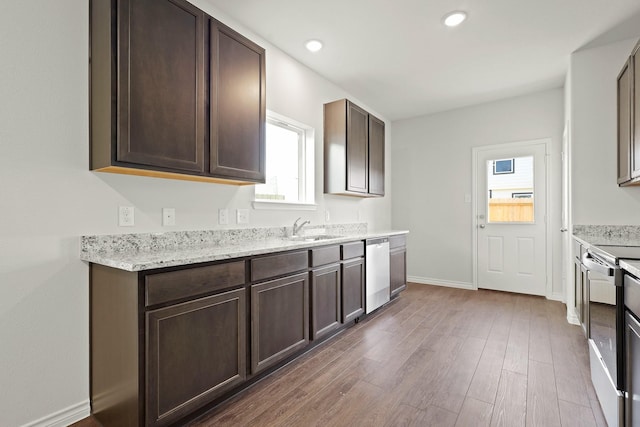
195 352
279 319
353 295
325 300
168 342
398 270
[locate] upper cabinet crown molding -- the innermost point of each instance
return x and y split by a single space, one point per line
174 94
354 145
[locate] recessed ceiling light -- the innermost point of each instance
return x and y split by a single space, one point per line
313 45
453 19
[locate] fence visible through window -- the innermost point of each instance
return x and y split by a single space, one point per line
511 192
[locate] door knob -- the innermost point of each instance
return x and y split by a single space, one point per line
481 226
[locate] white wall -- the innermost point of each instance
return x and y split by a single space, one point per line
595 196
431 160
48 197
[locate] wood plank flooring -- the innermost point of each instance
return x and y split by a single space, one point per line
435 357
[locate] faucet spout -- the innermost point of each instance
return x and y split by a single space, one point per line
297 228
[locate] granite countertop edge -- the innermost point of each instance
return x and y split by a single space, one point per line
141 261
607 235
631 266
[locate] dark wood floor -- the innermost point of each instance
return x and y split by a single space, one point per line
435 357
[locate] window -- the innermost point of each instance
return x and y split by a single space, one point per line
289 163
511 192
503 166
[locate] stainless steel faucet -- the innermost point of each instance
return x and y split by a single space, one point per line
297 228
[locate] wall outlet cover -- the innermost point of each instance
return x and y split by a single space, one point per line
242 216
168 216
223 216
126 216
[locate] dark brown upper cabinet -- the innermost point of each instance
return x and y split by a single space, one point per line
628 96
353 150
624 124
174 94
376 156
238 105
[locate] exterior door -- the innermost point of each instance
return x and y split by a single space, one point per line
511 217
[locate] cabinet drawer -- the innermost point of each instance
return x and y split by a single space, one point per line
397 241
352 250
577 249
163 287
327 255
632 294
278 265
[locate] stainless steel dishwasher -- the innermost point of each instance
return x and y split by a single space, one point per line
377 271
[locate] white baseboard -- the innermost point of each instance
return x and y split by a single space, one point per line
63 417
572 317
440 282
556 297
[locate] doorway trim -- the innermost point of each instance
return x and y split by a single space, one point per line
475 151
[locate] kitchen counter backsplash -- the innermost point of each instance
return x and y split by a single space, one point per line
622 235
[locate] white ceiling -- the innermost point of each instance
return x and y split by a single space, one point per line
398 58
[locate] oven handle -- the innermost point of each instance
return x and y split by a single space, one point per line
592 265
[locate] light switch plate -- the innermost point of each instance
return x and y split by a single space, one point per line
223 216
126 216
242 216
327 216
168 216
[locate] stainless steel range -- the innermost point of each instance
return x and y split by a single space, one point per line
606 326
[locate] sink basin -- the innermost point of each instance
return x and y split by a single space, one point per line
314 238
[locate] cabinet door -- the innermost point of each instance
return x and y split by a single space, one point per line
279 319
376 156
325 300
584 301
635 110
632 370
577 283
624 123
161 85
238 106
353 295
195 351
357 149
398 270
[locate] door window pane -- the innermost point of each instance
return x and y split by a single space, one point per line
510 188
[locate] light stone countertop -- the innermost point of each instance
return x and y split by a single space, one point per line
631 266
607 235
139 252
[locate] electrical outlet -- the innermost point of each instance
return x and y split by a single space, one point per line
242 216
327 216
168 216
223 216
126 216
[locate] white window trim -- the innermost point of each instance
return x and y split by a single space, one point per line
307 150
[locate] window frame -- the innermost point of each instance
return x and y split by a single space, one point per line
512 170
306 166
